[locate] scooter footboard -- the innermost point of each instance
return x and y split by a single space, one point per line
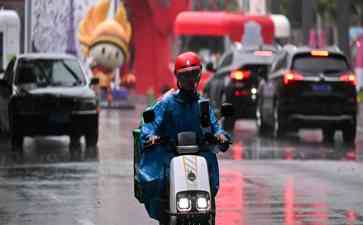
188 173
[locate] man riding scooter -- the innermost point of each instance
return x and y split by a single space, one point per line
176 112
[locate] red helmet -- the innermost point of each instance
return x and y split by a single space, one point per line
187 71
187 61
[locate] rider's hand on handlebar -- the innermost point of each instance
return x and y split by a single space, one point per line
152 140
223 141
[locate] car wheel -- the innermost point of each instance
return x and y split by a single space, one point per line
17 141
328 135
92 139
16 137
279 127
74 141
262 127
349 133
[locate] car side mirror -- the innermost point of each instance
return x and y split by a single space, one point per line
210 67
148 115
94 81
227 110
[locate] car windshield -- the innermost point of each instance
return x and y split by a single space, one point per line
49 72
332 65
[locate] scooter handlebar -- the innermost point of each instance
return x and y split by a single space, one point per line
212 139
209 139
156 140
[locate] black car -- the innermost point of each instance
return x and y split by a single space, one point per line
43 94
236 80
309 88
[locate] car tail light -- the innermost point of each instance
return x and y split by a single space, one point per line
350 78
292 76
240 75
319 53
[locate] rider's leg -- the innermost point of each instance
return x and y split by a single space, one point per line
213 171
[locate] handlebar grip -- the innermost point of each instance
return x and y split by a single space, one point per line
152 142
157 141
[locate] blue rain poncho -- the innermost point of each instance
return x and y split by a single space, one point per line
174 113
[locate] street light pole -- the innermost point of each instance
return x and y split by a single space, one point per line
308 18
275 6
343 23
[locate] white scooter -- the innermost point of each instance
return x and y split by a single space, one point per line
188 199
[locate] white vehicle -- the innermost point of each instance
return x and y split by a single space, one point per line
9 36
188 199
282 28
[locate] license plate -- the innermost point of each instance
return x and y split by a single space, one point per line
59 118
239 85
322 88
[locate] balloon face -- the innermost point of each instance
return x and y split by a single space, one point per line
107 55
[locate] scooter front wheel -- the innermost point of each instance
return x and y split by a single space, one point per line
212 215
211 220
168 220
207 221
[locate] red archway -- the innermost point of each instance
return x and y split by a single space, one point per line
222 24
152 23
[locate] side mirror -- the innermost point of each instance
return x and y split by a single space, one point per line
204 113
94 81
210 67
148 116
227 110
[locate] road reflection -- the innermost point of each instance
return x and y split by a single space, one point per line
244 201
230 201
45 151
299 146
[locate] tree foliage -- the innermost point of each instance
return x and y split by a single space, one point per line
327 10
214 5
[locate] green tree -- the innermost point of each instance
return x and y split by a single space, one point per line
326 9
216 5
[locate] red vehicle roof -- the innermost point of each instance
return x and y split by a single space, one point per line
221 24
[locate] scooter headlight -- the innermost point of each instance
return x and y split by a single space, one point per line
202 203
184 204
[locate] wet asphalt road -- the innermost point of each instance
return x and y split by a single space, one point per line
297 180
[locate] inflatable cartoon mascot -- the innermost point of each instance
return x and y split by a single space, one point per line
105 42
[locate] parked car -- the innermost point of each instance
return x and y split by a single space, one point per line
44 94
236 80
309 88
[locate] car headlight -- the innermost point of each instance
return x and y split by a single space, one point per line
254 91
184 204
87 104
202 203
